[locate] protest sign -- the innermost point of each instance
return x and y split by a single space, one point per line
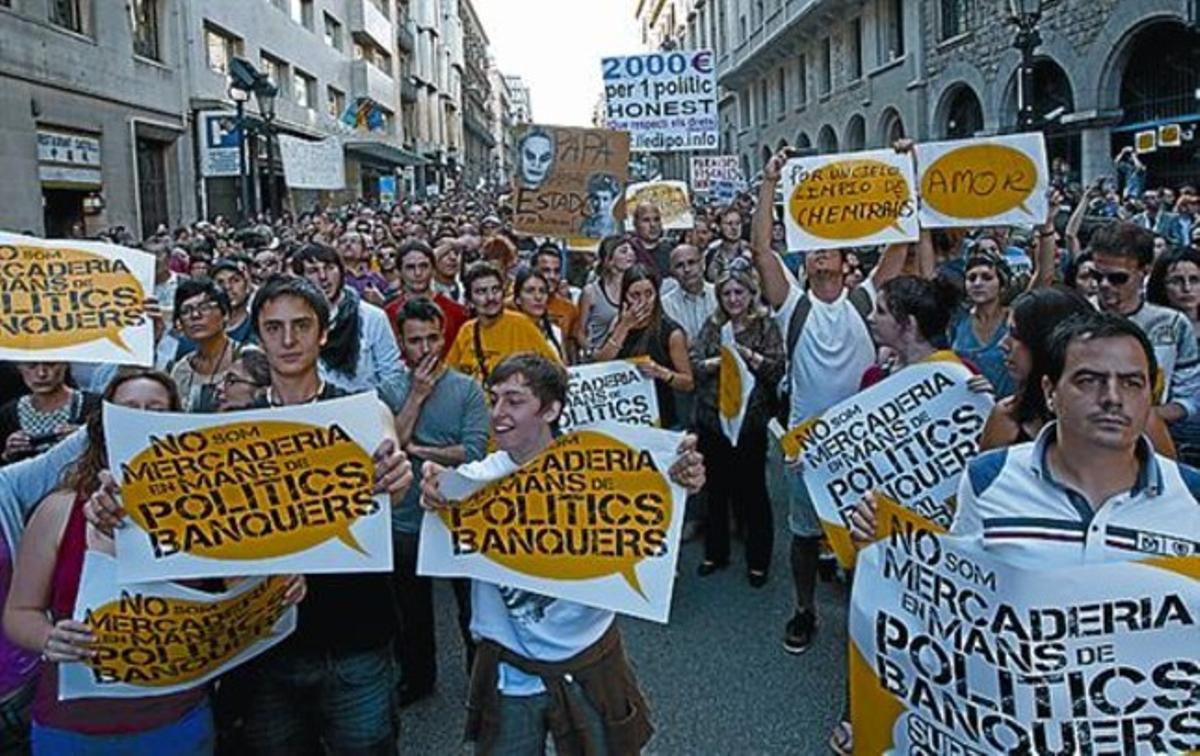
954 651
261 492
74 301
849 200
312 165
909 438
153 639
709 169
604 392
670 197
592 519
735 384
570 181
982 182
667 101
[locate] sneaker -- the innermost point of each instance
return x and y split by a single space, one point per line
798 635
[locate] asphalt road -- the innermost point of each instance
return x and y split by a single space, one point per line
717 677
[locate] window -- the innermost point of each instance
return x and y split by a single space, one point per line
890 27
802 81
71 14
954 18
143 15
275 71
741 28
826 72
335 102
854 43
333 32
221 49
304 88
764 104
744 100
301 12
781 92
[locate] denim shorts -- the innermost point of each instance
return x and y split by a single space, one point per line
293 703
524 723
802 517
191 735
14 720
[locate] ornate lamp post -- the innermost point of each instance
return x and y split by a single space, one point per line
1025 14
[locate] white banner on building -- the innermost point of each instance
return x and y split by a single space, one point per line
220 140
666 101
313 165
707 170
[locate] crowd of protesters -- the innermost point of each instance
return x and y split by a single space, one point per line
1083 326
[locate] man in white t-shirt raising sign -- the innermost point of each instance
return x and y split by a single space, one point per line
829 348
544 661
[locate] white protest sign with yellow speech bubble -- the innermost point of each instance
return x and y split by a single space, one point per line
76 301
670 197
984 182
603 392
153 639
735 384
909 438
849 200
592 519
955 651
261 492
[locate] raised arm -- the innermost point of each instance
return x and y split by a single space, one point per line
775 284
891 263
1075 222
1043 262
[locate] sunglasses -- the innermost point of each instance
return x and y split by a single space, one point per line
1114 277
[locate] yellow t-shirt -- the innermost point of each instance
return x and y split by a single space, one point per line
511 333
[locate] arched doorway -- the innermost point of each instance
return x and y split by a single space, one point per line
1051 93
827 140
961 114
1158 87
856 134
802 141
891 128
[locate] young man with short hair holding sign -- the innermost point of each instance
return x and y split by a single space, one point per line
543 659
829 348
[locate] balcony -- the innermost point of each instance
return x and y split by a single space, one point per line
368 81
408 90
368 22
405 39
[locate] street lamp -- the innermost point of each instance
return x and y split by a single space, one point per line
239 95
264 93
1025 14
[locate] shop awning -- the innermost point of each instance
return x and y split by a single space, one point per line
383 152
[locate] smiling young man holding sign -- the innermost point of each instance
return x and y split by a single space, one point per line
541 659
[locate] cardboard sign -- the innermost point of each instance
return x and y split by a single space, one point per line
670 197
609 392
74 301
850 200
909 438
997 181
261 492
712 168
154 639
569 181
667 101
592 519
954 651
735 384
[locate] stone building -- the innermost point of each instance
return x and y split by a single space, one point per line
478 114
841 75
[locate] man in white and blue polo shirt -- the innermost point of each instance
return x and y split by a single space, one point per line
1090 488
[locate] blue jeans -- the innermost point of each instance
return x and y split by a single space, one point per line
191 735
524 723
294 703
802 517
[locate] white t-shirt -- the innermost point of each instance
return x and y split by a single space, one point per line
530 624
834 350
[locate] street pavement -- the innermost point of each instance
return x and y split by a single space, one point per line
717 677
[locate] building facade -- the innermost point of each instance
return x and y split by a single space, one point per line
93 131
841 75
478 114
504 149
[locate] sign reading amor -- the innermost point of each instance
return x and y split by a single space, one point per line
609 392
984 182
158 638
74 301
850 200
260 492
953 651
592 519
908 438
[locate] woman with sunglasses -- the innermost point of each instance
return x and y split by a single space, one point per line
201 312
1175 282
246 381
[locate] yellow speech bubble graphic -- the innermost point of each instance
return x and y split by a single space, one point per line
57 297
850 199
587 507
729 385
249 490
157 641
979 181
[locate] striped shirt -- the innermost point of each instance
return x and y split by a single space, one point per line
1010 501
